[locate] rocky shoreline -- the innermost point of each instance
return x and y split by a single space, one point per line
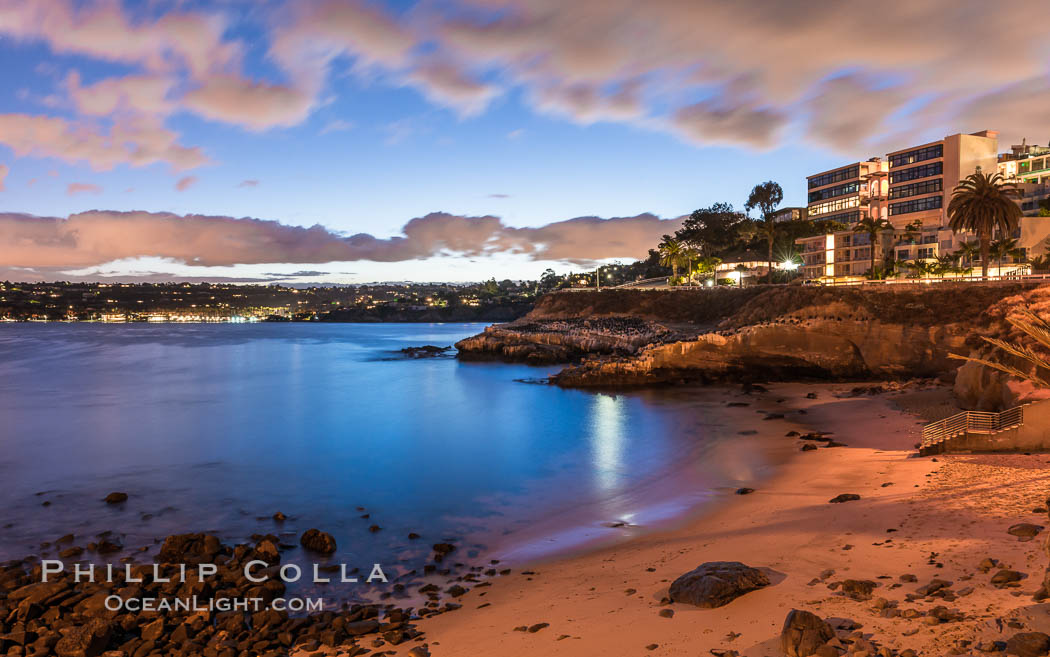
620 338
185 602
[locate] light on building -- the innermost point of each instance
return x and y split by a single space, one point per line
789 265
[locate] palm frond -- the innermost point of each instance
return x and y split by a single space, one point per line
1034 327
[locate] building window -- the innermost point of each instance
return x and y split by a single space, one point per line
832 192
914 173
917 205
834 206
917 155
925 254
834 176
917 189
842 217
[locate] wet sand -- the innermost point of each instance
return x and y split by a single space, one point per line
946 515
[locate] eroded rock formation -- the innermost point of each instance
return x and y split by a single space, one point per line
626 337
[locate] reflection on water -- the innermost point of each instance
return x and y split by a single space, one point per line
607 442
218 426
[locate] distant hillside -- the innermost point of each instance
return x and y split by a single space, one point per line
490 313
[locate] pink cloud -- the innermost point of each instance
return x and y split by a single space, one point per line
445 84
185 183
137 142
4 170
104 31
98 237
134 93
707 71
72 189
254 105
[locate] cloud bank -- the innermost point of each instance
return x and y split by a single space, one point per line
757 74
94 238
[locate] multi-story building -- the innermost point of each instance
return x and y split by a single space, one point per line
842 196
789 214
910 189
1026 164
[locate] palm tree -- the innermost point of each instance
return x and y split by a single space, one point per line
671 254
968 250
766 197
1039 263
690 253
947 264
873 227
1002 248
982 203
1037 330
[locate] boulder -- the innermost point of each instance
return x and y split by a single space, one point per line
845 497
190 548
152 631
1028 644
39 592
858 589
85 640
318 541
1024 531
803 633
716 583
1005 576
116 498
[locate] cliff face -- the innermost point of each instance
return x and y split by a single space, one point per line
632 338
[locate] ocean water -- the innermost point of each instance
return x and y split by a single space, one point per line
214 427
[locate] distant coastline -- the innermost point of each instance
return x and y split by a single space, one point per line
231 303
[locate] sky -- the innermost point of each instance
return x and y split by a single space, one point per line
348 141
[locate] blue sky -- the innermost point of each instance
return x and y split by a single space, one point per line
365 136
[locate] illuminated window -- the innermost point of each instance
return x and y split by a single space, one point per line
834 206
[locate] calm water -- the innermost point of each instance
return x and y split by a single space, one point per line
215 427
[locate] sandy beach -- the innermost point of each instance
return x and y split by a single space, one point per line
922 518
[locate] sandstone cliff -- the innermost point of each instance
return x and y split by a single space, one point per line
626 337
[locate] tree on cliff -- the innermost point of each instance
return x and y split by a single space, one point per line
873 227
982 203
766 197
671 253
969 251
1003 248
711 230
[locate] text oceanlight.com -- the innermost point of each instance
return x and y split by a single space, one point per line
192 604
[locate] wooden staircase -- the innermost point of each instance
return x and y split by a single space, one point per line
937 436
